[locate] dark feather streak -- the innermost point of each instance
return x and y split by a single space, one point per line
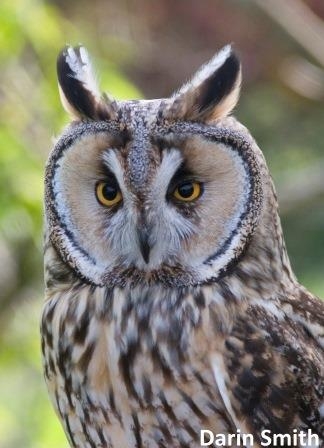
219 84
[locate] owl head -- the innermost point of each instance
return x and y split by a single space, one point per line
166 190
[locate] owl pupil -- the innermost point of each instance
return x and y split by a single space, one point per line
109 192
186 190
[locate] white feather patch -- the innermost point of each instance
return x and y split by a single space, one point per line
83 71
218 368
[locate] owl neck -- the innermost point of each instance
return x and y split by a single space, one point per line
265 267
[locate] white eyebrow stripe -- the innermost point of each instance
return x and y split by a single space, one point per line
110 159
171 161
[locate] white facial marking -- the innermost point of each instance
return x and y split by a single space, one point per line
83 71
171 161
111 161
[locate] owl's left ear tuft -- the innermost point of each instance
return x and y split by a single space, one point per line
213 91
78 87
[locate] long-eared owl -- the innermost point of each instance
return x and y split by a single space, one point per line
171 305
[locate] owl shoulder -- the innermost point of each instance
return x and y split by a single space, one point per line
274 364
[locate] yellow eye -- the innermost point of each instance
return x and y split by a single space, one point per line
108 194
188 191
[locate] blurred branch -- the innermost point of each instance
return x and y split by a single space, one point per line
306 186
298 20
304 77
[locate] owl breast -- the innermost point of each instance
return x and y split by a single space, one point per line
134 360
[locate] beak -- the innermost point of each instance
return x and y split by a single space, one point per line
143 240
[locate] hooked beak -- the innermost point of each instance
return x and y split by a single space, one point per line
143 240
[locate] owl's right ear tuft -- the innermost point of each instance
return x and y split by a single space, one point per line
78 88
213 91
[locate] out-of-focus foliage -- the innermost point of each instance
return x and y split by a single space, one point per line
31 34
158 46
290 133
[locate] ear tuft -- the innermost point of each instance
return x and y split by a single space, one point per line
78 87
213 91
219 86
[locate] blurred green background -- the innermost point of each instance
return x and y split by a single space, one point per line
144 49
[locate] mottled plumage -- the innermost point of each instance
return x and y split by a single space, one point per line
166 315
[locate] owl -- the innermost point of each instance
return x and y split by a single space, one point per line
171 308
